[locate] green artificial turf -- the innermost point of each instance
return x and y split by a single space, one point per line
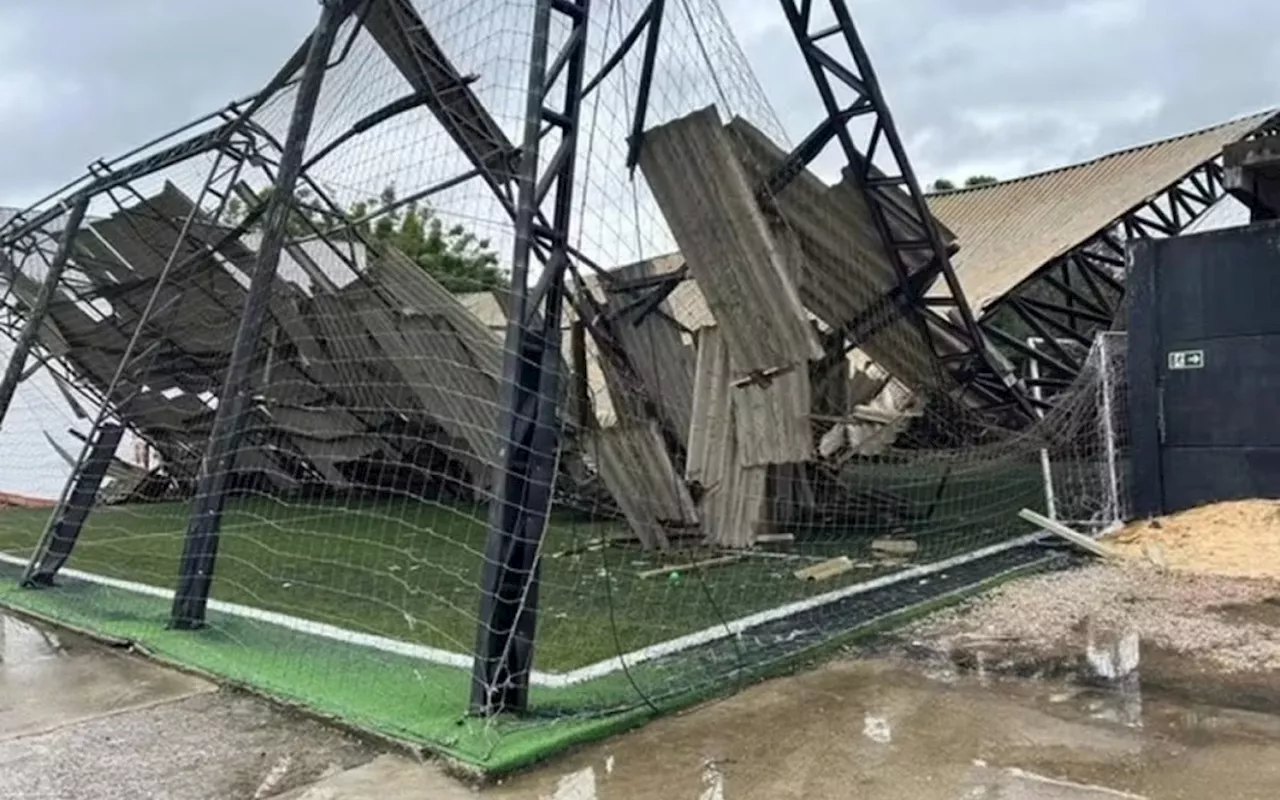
398 696
410 570
389 694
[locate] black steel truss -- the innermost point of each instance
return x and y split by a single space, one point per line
403 35
70 379
897 204
200 544
1082 292
530 391
26 339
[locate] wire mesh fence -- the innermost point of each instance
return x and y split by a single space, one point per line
733 484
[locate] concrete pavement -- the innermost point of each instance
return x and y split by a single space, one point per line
78 720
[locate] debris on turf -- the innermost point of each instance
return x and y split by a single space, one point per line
775 538
897 547
690 566
827 569
1074 537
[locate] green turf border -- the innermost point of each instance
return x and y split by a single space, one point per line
373 692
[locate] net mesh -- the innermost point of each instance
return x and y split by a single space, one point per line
730 489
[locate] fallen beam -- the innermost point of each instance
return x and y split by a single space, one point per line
1074 537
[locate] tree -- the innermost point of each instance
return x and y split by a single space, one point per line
948 185
453 255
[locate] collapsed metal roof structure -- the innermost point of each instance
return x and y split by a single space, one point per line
1047 248
715 391
357 367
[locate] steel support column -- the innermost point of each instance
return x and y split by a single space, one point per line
73 508
200 545
529 422
99 447
40 308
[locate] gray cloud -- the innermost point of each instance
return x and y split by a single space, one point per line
1002 86
1019 85
82 79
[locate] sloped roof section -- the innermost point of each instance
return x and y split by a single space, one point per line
1008 230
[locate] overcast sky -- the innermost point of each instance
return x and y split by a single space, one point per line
998 86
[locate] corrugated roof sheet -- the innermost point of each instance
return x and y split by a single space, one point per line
635 466
1008 230
733 502
744 272
844 269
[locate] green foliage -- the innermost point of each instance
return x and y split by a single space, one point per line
453 255
948 185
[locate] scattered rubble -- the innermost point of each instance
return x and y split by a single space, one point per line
1232 624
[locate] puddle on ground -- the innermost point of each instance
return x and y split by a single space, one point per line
49 680
21 643
897 729
1266 612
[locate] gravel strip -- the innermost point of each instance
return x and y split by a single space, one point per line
1179 611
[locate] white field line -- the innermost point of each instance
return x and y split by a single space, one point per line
737 626
321 629
556 679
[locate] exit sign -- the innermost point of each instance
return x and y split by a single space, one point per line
1186 359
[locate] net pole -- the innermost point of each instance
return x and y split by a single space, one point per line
524 480
1046 465
200 543
40 307
1109 433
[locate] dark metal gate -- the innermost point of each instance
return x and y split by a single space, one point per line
1204 368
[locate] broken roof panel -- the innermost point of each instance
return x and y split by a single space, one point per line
354 356
663 362
1009 230
410 290
709 202
844 271
634 464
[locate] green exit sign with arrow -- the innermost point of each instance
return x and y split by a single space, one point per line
1186 359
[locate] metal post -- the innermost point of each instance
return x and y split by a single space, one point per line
73 508
40 308
1116 513
897 206
60 536
200 545
529 424
1046 465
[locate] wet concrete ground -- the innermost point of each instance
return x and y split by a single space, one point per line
85 722
81 721
883 729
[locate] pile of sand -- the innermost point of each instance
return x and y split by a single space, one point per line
1239 539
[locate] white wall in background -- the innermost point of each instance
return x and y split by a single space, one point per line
28 464
1226 213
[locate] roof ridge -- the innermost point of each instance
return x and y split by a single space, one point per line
1261 116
